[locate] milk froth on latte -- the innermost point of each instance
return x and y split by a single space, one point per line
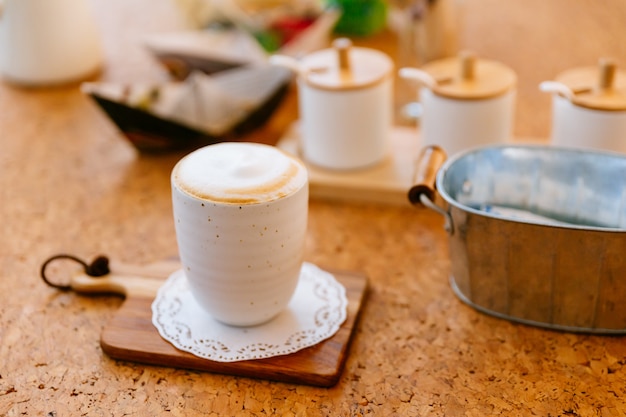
239 173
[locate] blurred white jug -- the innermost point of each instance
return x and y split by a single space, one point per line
45 42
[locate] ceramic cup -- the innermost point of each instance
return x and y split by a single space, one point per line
48 42
240 213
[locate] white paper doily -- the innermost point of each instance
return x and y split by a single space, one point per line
315 313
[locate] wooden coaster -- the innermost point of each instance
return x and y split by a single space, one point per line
131 336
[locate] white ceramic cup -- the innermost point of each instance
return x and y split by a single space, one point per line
581 127
46 42
240 213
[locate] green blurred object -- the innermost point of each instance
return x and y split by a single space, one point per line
270 40
360 17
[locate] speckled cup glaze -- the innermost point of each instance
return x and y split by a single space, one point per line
240 213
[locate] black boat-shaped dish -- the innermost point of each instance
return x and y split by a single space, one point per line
200 110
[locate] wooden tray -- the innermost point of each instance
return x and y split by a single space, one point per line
131 336
387 182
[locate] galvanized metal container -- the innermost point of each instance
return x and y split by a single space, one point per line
537 233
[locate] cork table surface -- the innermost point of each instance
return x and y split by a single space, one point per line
69 182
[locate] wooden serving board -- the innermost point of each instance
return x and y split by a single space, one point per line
130 334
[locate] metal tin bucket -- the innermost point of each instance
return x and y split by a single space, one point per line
537 233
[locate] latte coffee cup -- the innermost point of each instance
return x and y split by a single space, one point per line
240 214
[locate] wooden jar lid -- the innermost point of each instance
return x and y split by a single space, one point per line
344 67
467 78
599 88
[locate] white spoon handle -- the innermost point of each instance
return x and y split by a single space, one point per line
558 88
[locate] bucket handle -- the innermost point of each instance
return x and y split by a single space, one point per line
424 189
